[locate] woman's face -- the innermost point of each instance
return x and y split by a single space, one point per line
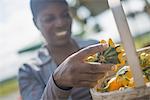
54 22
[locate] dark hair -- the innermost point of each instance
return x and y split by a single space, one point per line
37 5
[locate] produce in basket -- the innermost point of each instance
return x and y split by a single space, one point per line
122 77
144 59
112 55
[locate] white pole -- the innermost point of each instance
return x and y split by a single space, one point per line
127 41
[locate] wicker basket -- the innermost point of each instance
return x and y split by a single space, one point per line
140 93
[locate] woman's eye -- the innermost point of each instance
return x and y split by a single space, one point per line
66 15
48 19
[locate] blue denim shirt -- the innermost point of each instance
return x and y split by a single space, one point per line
36 82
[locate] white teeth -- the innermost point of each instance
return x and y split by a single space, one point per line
61 33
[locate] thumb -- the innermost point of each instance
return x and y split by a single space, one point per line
91 50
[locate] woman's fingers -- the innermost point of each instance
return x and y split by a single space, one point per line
92 77
75 72
93 67
88 80
90 50
84 83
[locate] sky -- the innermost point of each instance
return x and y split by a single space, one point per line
17 30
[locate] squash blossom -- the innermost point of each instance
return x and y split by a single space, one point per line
122 77
144 59
112 55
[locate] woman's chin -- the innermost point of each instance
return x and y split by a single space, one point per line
61 43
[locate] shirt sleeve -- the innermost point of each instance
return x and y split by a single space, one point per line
52 92
30 87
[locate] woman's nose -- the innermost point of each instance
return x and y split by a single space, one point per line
59 22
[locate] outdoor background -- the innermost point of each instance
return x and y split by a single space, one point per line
19 38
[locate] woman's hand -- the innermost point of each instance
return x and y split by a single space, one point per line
76 72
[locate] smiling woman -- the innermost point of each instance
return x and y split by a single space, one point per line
17 31
54 24
53 74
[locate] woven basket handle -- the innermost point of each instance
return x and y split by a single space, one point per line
127 40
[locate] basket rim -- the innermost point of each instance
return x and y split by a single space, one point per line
143 49
126 91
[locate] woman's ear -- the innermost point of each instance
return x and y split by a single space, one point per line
35 23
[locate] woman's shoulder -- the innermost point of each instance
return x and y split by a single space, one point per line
37 67
37 62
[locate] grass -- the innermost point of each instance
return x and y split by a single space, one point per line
8 86
142 40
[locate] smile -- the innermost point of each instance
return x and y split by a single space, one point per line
63 33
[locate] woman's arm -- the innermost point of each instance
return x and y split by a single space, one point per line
52 92
32 87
